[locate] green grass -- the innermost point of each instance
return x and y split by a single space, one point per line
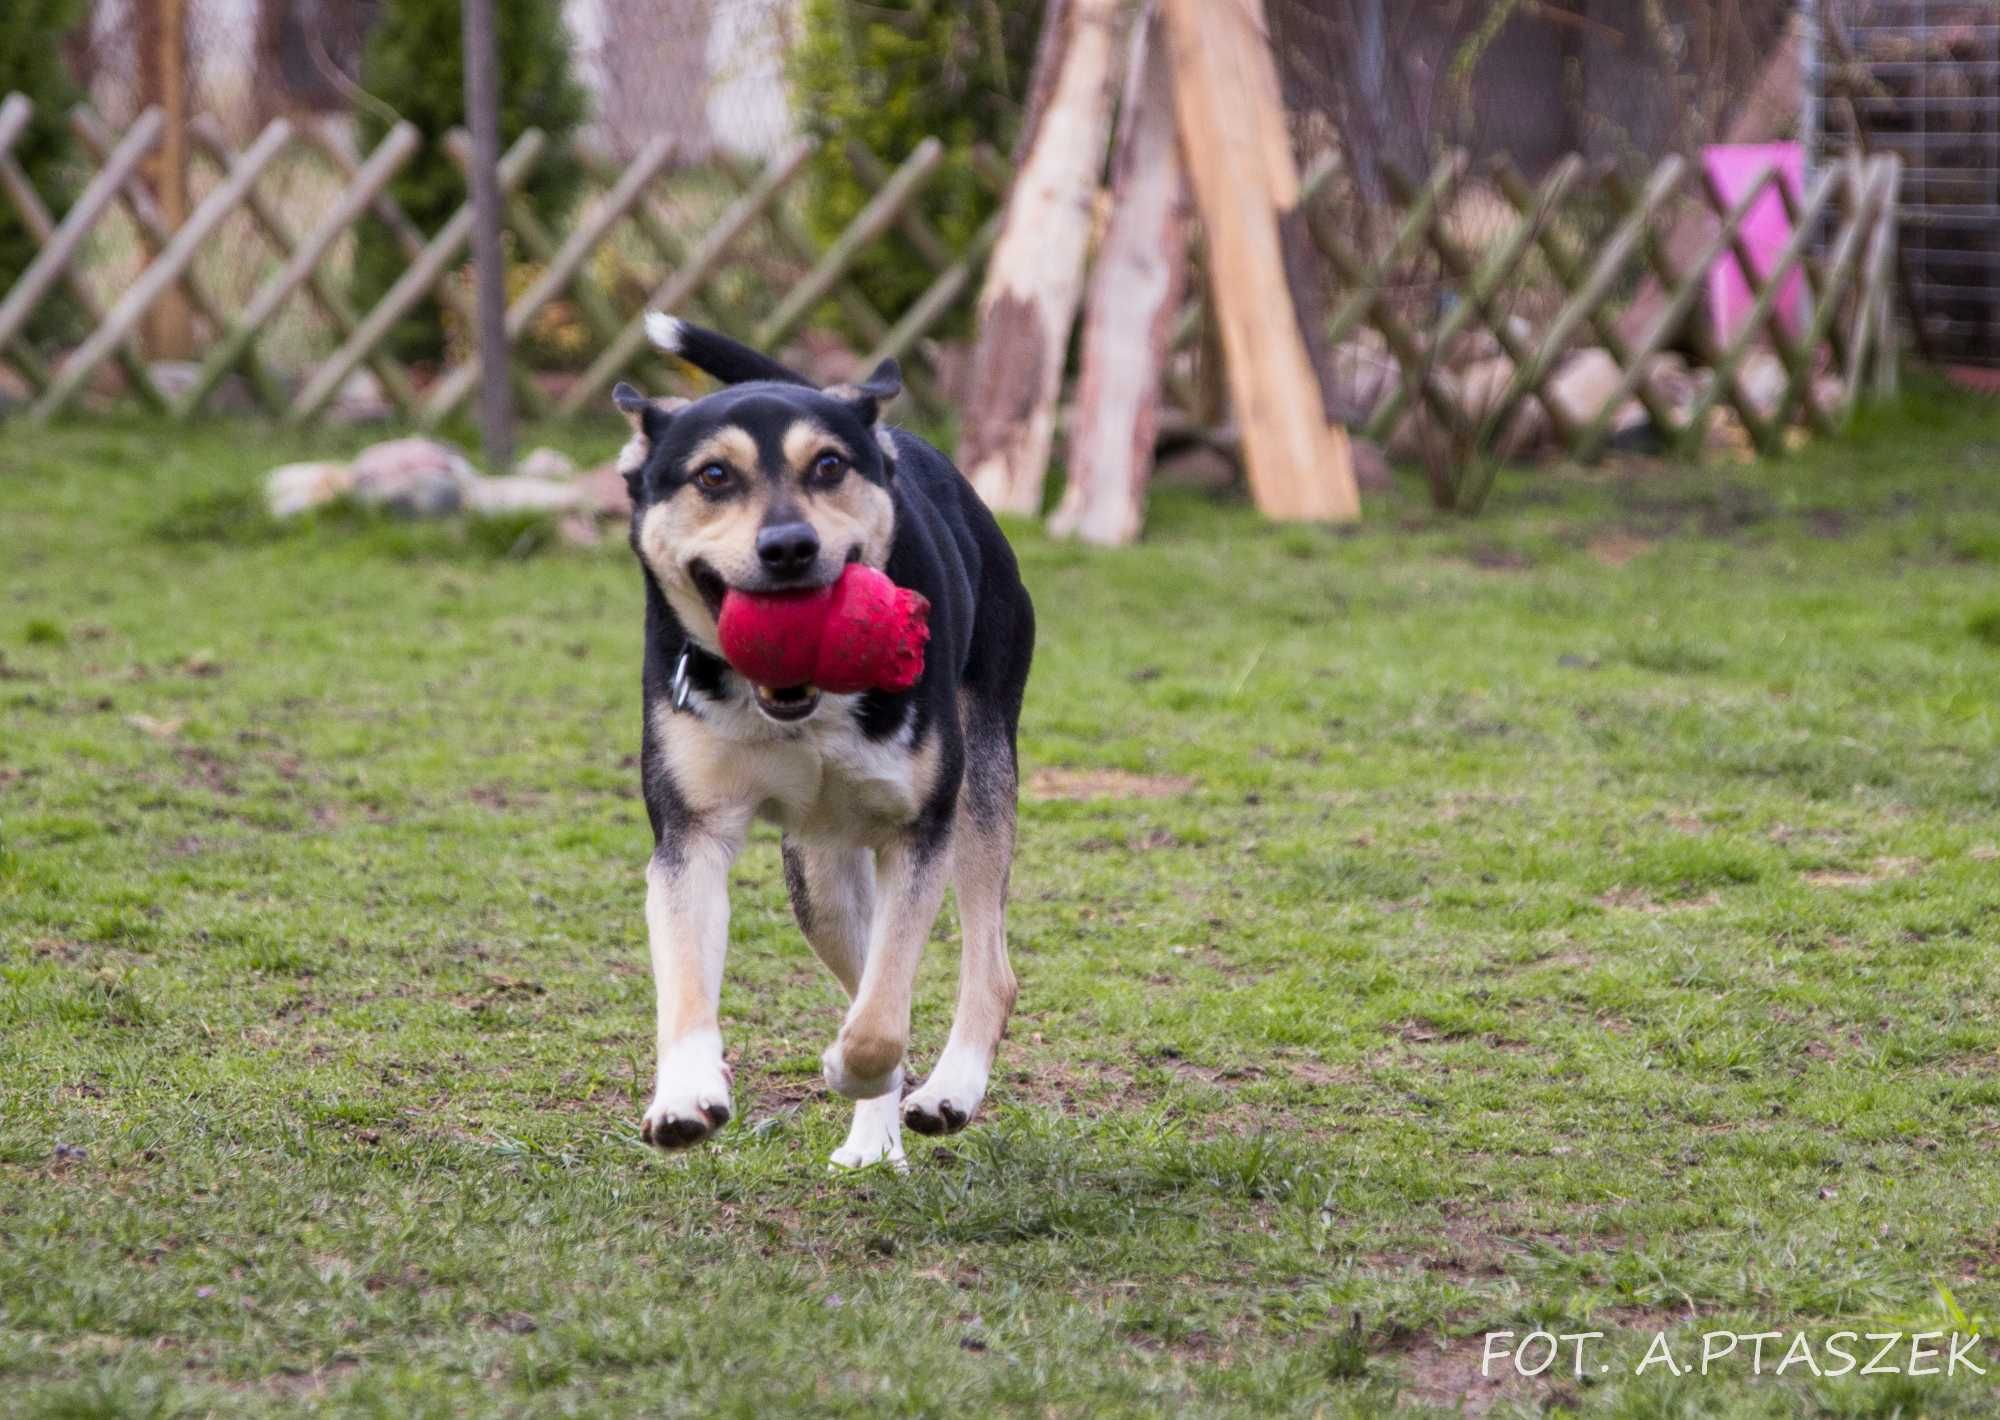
1585 917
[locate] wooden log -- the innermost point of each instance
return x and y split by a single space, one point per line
1034 278
303 264
411 286
40 224
673 293
875 218
1134 295
61 248
561 268
163 272
1245 185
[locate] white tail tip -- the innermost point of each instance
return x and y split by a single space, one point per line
664 331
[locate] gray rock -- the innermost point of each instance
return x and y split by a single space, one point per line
419 477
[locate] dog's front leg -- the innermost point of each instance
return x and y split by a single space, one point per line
687 920
865 1059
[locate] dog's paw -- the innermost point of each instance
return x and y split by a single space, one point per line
877 1135
863 1073
691 1101
946 1102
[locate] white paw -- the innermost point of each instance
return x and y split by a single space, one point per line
844 1079
877 1135
691 1100
947 1100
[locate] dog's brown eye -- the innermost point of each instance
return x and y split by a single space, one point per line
828 468
712 476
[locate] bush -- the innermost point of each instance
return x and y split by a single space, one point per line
414 63
891 73
31 65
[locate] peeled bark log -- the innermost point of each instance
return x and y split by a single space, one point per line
1034 279
1246 186
1135 294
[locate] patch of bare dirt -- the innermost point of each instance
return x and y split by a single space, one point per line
1059 783
1615 549
1633 899
1880 871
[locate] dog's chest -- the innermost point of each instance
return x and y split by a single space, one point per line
825 777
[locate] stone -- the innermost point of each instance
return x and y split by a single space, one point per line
294 488
174 378
419 477
521 494
545 463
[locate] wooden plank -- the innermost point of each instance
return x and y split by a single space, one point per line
1684 289
1238 155
331 301
672 294
383 164
1610 266
40 224
410 287
874 219
583 239
56 254
163 272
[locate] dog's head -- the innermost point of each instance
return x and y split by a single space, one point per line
763 487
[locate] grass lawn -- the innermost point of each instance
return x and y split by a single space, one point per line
1584 918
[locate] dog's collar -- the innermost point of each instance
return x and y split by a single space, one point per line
695 669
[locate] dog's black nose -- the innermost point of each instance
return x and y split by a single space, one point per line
787 549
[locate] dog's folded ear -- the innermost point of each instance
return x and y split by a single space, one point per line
649 419
867 398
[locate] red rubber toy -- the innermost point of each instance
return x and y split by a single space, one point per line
862 633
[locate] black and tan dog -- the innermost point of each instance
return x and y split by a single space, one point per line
772 484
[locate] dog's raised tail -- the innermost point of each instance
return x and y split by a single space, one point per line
716 354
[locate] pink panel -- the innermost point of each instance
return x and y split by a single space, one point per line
1734 167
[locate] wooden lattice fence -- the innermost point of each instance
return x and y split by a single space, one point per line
625 211
1591 263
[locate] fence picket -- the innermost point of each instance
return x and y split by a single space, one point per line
561 268
382 165
163 272
411 286
61 248
671 294
39 224
137 199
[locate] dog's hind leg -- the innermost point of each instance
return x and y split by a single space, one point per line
832 887
687 920
984 845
